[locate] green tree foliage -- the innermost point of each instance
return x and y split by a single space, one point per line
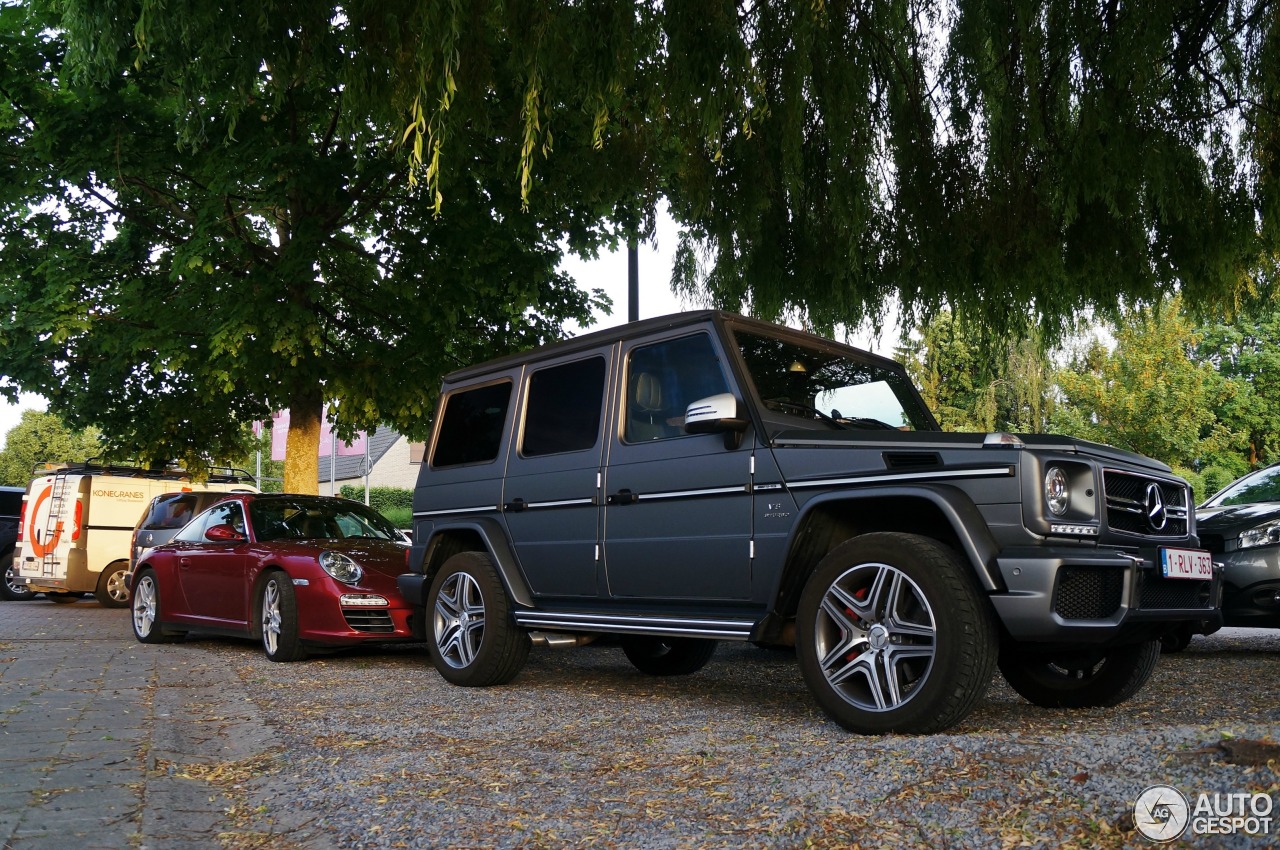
202 219
972 383
1246 352
203 210
1147 395
43 438
1015 157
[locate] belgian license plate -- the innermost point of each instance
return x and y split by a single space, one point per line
1186 563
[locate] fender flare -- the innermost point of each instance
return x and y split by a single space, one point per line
977 544
496 545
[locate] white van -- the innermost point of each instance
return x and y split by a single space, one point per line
78 521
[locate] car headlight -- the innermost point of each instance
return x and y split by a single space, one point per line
1267 534
1057 491
340 567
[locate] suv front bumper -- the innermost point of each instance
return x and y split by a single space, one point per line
1098 595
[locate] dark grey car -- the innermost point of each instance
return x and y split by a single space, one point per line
1241 525
10 516
707 477
165 516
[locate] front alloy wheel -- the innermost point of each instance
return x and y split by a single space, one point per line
474 641
893 635
279 619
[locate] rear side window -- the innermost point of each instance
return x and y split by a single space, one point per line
172 511
471 426
563 411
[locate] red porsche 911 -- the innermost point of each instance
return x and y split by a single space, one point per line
292 571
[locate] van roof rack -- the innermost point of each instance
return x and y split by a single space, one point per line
133 469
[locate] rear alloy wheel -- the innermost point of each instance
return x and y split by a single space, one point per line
11 589
894 636
145 606
668 656
1081 679
112 592
473 640
279 609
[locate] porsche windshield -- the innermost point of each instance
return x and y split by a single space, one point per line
827 387
316 519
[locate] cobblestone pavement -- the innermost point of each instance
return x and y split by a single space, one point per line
99 734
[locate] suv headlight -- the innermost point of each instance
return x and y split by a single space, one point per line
1267 534
340 567
1057 491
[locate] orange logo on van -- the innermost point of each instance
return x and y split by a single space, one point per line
38 548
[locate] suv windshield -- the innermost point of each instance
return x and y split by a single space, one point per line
821 385
1260 486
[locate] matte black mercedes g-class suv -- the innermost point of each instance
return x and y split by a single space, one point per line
705 477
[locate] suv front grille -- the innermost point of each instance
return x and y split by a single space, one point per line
1088 593
363 620
1145 506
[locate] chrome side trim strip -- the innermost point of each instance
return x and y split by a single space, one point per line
991 472
449 511
626 624
681 494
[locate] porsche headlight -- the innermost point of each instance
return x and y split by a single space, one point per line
1057 491
1267 534
340 567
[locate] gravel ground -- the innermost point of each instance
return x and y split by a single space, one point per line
375 750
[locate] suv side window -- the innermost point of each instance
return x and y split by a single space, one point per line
663 380
471 426
563 410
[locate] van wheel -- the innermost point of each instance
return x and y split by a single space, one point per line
668 656
894 636
145 604
473 640
112 592
1081 679
279 619
10 589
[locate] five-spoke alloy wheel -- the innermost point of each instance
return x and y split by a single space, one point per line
473 639
279 619
893 635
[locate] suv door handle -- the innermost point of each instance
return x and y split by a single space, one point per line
515 505
622 497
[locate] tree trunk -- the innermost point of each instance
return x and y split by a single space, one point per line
302 451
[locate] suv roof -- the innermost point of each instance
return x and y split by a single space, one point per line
646 327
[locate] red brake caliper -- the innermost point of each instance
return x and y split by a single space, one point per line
861 595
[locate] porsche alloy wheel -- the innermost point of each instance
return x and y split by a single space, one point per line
279 619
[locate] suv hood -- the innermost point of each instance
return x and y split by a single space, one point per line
1224 519
952 439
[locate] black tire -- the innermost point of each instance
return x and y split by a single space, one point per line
1082 679
1178 639
112 592
63 597
668 656
894 635
10 590
278 619
144 604
471 636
